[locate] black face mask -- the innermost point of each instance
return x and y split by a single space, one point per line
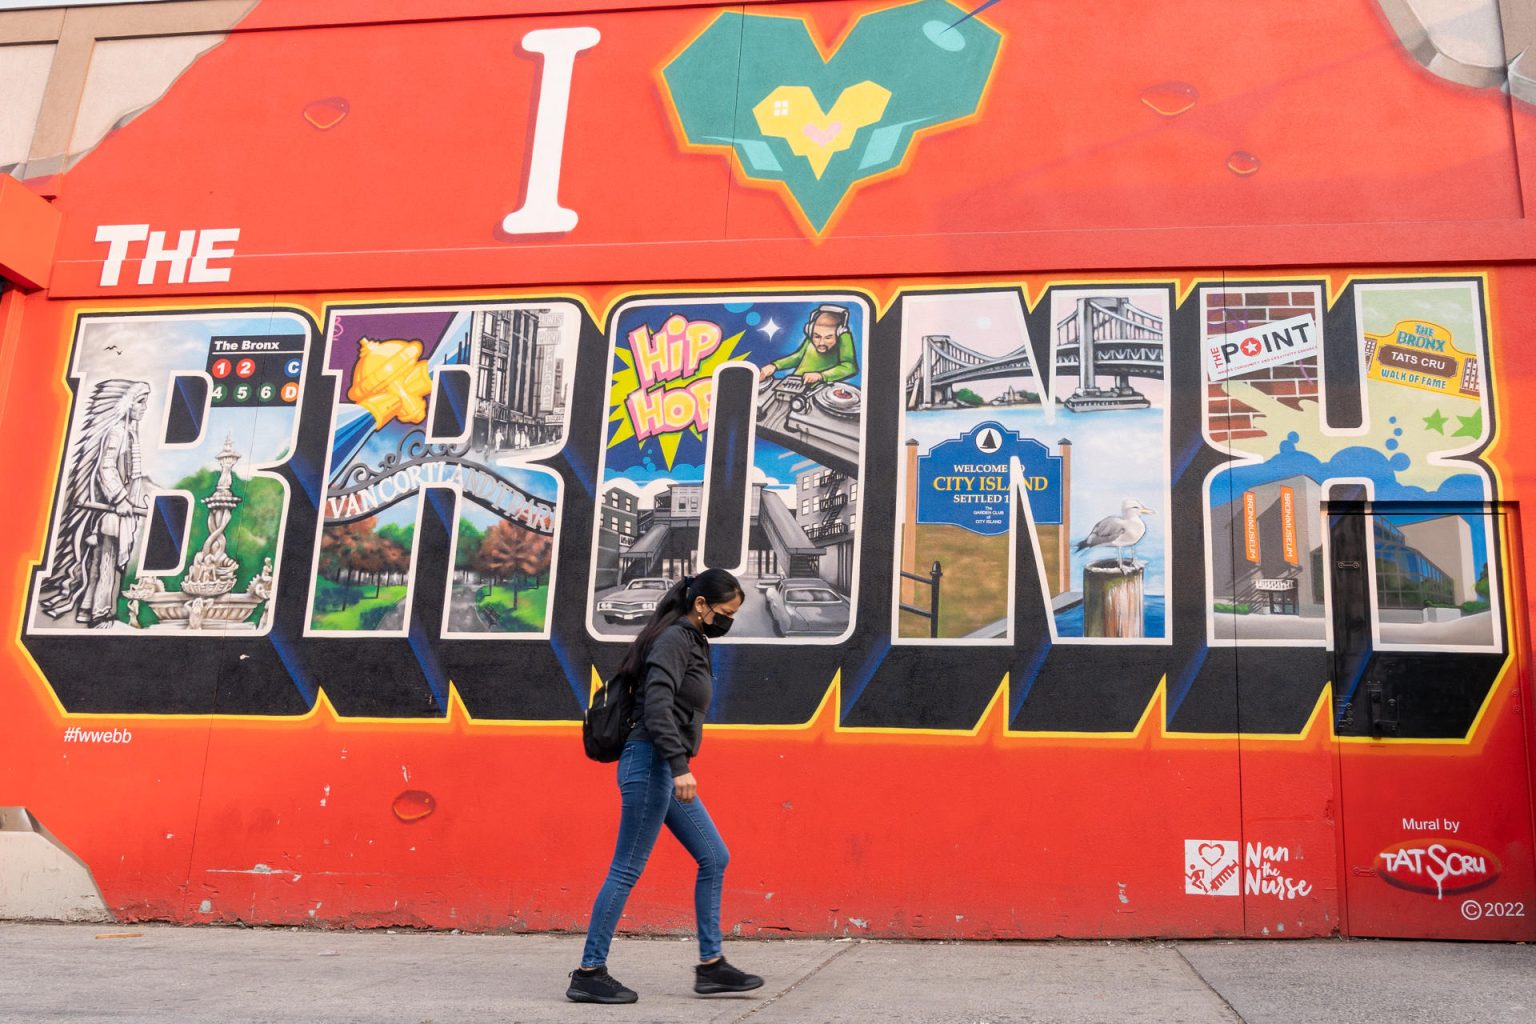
718 628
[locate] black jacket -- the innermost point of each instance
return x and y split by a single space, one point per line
674 694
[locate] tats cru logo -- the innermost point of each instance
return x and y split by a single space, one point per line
818 123
1437 866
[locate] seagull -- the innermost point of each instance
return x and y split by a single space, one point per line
1120 532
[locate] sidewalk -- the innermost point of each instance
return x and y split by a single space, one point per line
172 975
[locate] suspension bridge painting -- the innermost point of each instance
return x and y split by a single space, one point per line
779 444
1087 427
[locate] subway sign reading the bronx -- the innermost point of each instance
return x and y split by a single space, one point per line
373 498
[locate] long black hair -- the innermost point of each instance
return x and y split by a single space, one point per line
716 586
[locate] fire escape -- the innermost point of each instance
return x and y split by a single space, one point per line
832 498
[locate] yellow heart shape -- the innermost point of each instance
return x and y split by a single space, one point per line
792 113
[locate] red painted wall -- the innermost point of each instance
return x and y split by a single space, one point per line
970 824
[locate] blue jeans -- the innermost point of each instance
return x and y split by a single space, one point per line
645 787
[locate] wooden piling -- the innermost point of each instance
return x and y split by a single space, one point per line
1113 600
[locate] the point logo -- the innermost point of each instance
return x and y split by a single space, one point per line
1261 347
1437 866
1275 338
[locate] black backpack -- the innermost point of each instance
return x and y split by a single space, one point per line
610 716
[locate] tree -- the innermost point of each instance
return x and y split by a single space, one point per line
395 557
404 536
371 558
342 546
467 551
965 396
359 549
507 551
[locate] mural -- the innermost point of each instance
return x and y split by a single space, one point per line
976 406
510 406
1041 462
1033 495
800 432
1421 410
178 417
821 124
1100 497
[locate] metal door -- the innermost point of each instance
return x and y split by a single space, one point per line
1432 721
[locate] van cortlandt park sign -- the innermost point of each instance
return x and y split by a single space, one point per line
364 491
966 481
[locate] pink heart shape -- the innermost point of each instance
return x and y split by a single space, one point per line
822 136
1218 851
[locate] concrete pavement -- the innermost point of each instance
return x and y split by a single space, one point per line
171 975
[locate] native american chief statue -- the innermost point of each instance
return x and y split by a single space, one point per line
104 507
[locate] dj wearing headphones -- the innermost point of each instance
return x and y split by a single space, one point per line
827 354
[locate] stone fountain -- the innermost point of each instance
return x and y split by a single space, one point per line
205 600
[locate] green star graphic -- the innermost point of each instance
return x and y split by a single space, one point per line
1470 426
1435 421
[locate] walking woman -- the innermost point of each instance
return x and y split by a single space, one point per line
669 662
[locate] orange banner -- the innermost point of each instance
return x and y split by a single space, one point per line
1288 525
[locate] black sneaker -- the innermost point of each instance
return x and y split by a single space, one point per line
599 987
722 977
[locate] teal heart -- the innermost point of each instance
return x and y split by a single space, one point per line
931 59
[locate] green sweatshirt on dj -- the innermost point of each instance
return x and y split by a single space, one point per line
835 364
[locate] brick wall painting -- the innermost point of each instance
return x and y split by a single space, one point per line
1401 426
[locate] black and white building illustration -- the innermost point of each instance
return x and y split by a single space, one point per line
519 377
